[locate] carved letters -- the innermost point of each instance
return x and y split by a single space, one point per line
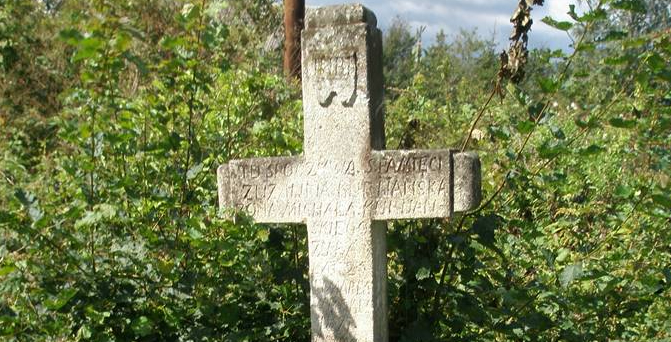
397 184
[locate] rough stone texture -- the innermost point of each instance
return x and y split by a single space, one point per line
339 15
467 194
345 185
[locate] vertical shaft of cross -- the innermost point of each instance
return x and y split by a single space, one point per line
342 92
345 185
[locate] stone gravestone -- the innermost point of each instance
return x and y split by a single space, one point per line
346 185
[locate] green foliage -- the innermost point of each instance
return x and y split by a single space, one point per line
115 115
109 222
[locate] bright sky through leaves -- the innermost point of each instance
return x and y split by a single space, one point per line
490 17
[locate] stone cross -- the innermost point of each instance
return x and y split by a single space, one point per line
346 185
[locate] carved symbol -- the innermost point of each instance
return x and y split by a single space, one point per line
352 99
349 103
328 100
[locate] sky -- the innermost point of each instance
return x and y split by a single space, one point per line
489 17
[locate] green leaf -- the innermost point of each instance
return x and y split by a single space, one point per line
570 273
588 47
614 35
263 234
557 132
562 255
595 15
84 332
656 62
90 218
142 326
61 299
559 25
105 210
83 54
7 270
630 5
139 63
484 227
622 123
70 36
548 85
623 191
616 60
572 13
551 149
194 171
121 42
499 132
172 43
195 234
422 273
29 202
525 126
87 48
663 200
591 150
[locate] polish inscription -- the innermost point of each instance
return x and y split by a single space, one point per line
409 184
397 184
340 240
340 185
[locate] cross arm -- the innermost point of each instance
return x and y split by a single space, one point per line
262 188
406 184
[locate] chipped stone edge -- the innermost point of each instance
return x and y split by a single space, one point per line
337 15
224 188
467 181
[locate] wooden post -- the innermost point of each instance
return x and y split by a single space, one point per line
294 14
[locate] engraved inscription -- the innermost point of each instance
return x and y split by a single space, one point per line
407 164
342 187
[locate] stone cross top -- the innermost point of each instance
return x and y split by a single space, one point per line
346 185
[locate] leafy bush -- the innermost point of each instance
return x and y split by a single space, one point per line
110 145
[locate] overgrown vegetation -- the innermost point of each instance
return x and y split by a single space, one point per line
115 115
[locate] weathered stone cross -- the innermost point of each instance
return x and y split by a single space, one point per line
346 185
